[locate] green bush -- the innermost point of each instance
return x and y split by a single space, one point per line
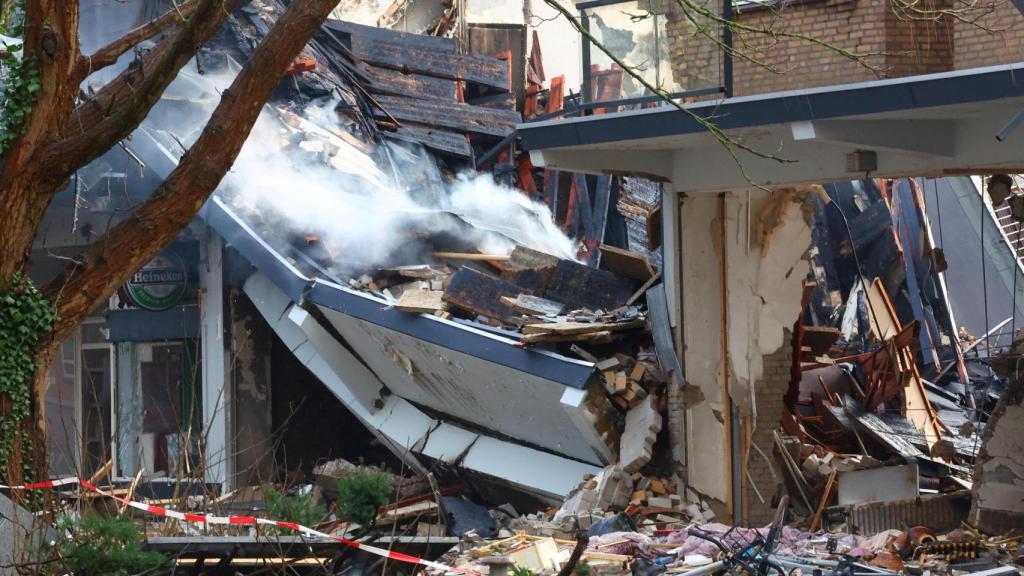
300 509
360 495
521 571
108 546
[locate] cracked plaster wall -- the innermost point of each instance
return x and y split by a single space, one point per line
998 503
763 300
251 402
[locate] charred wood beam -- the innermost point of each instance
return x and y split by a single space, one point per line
371 37
579 286
422 55
443 141
461 117
394 83
481 294
867 226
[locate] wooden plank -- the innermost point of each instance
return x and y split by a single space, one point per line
627 263
480 294
917 407
533 280
536 61
653 225
582 327
425 508
533 305
643 289
816 520
494 39
582 287
371 38
422 55
420 301
397 83
523 257
591 337
504 100
470 256
880 431
444 141
820 338
638 372
458 116
556 95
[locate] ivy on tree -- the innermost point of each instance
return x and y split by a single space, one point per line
21 82
26 317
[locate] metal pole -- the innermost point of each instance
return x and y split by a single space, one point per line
585 57
727 53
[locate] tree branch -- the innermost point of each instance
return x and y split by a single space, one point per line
109 54
113 258
100 122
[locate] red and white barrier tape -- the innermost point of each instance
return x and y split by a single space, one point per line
236 521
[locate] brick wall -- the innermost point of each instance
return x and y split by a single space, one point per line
901 45
999 39
917 45
852 25
769 393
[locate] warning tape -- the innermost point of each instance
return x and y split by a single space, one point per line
236 521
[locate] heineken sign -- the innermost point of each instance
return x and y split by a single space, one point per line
159 284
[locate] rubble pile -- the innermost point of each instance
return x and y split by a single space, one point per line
884 413
861 422
615 545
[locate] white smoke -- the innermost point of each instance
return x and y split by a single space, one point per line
365 205
369 207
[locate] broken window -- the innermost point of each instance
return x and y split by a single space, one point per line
166 377
673 52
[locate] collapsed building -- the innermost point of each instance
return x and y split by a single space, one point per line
624 325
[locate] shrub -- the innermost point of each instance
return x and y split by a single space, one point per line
300 509
360 495
521 571
111 546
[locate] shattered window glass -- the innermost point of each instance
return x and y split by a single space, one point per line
672 47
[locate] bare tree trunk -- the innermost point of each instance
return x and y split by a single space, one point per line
51 48
127 246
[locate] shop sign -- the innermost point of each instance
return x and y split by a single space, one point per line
160 284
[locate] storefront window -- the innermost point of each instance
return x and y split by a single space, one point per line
166 376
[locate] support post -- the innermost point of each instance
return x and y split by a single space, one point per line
214 391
